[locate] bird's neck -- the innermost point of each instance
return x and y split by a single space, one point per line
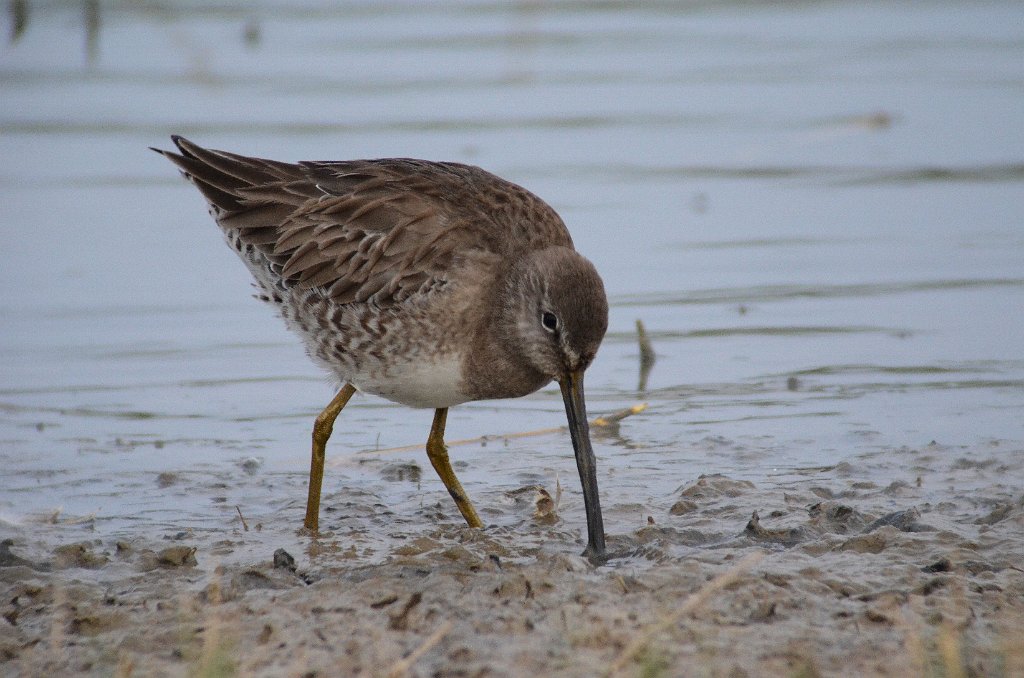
496 357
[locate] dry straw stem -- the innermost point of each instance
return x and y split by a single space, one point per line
689 605
57 623
125 667
599 422
949 649
401 667
215 658
912 642
1013 649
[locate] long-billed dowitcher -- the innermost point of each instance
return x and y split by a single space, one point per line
427 283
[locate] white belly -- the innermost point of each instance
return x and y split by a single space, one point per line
420 383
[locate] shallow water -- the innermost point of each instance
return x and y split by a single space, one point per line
814 208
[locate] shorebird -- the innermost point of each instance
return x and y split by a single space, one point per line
429 284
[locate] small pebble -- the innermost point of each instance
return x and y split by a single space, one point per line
284 560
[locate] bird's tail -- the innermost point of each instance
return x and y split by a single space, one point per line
227 181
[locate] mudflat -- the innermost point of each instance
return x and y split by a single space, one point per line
823 571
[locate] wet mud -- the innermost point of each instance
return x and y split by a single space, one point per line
856 576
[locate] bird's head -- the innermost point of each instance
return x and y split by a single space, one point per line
559 315
560 311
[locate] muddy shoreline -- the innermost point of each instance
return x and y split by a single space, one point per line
854 577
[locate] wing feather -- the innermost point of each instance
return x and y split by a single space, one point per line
367 230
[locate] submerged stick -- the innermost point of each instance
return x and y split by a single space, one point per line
599 422
689 605
242 518
616 417
647 356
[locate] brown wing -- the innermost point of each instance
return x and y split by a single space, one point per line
362 229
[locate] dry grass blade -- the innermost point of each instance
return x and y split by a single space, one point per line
694 601
949 650
401 667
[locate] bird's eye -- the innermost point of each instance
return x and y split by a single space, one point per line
549 320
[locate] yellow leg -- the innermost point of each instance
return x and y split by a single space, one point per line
322 428
438 455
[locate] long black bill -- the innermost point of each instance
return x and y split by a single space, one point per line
579 429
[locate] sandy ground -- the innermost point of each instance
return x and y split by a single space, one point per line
828 574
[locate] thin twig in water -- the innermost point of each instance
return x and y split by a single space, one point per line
599 422
401 667
689 605
647 355
244 524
